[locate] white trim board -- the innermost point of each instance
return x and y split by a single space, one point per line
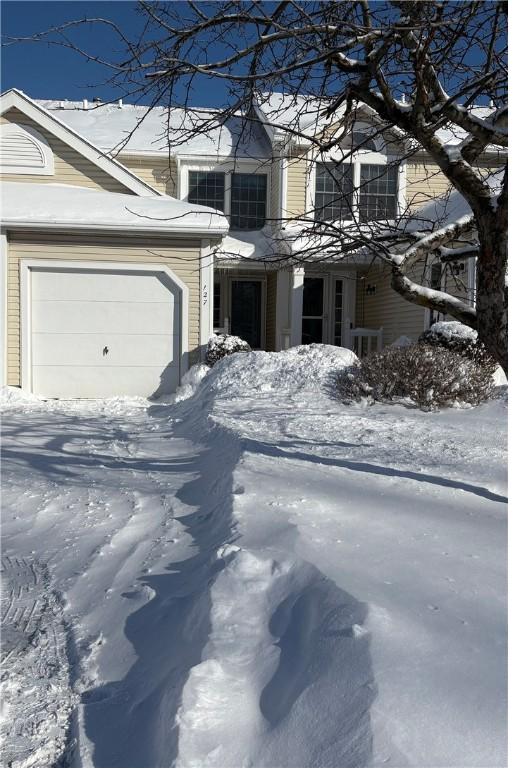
26 265
15 99
4 247
206 295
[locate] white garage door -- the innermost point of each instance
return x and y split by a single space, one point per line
103 333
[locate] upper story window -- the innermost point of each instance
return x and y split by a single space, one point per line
377 196
248 200
361 140
207 188
360 184
334 192
241 196
24 151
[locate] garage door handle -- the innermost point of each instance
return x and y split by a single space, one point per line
105 351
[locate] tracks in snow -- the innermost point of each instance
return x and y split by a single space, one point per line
35 689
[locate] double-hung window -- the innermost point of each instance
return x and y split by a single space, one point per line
377 196
334 192
241 196
248 200
207 188
364 187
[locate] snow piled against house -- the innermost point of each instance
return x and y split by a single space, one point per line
307 367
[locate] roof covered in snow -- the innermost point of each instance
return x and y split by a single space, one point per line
83 208
307 114
150 130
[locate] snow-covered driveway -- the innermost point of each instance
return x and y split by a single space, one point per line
254 579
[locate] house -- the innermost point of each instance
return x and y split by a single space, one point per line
123 247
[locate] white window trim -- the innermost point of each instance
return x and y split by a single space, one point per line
227 167
4 253
48 169
357 159
27 265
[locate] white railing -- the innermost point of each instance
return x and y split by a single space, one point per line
362 340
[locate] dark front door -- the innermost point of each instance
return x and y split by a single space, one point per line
246 311
313 310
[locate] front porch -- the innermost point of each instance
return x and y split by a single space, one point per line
276 309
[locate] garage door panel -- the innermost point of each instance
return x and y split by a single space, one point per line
105 317
65 381
101 333
87 285
103 350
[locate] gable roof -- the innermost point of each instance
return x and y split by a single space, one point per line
143 130
14 99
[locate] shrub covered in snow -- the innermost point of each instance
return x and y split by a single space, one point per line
308 367
461 339
431 376
221 345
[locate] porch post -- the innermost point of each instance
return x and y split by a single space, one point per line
206 300
283 310
297 306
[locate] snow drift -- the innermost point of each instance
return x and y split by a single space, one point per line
312 367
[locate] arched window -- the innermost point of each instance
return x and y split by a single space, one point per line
362 141
23 150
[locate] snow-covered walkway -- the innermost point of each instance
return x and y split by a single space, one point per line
254 579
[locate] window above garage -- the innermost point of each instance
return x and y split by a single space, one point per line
239 190
24 151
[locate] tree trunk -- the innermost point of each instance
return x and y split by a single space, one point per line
491 290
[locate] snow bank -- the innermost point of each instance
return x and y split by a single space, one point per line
13 397
189 386
308 367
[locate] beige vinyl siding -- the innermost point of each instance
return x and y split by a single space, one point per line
297 185
181 257
386 309
424 182
274 206
271 306
159 172
70 166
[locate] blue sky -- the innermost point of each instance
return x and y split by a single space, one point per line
48 72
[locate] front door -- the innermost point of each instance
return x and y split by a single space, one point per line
313 311
324 310
246 302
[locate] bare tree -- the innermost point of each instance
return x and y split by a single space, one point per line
417 66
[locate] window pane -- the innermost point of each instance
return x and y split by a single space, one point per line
206 188
337 325
216 305
334 192
248 200
378 192
363 141
312 297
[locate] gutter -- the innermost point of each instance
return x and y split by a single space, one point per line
120 229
